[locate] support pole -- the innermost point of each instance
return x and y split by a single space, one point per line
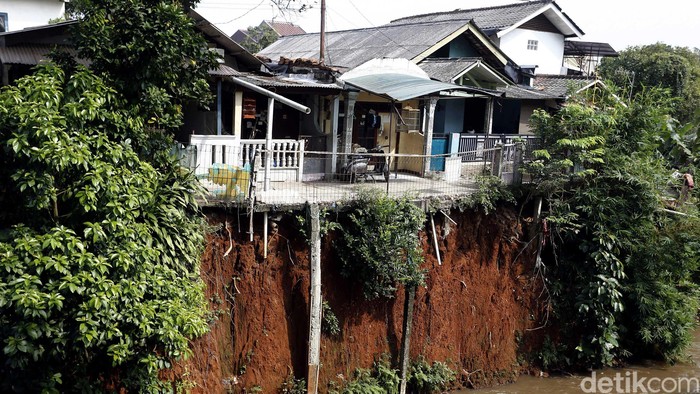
488 117
315 302
266 234
435 240
350 100
428 144
238 114
335 111
406 337
219 109
268 143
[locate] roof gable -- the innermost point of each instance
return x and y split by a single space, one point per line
284 28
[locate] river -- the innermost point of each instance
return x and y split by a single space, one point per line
651 376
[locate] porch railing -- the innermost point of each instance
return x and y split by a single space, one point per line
287 156
477 147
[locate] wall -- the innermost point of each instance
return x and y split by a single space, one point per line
474 311
28 13
548 56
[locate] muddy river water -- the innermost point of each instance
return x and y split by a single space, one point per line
651 377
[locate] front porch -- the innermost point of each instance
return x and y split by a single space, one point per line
241 171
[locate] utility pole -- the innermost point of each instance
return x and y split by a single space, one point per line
322 52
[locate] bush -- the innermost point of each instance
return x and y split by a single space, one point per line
379 244
424 378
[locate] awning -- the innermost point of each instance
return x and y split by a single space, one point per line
31 55
402 87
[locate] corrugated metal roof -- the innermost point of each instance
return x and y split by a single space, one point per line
283 82
587 48
31 55
224 71
401 87
350 48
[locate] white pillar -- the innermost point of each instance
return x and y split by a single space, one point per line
428 142
268 143
315 302
488 116
335 111
350 100
238 114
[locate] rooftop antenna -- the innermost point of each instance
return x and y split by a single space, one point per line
323 33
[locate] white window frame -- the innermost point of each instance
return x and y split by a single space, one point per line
532 45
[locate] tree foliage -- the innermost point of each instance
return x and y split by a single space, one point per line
606 183
259 37
379 244
149 51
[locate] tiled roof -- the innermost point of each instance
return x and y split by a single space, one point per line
285 28
446 69
545 87
350 48
489 19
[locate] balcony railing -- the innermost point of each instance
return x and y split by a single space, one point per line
473 147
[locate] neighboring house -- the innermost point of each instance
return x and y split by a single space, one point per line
280 29
532 33
19 14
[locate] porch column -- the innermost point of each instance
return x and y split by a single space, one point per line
488 116
350 100
268 143
238 114
219 109
428 144
5 74
335 111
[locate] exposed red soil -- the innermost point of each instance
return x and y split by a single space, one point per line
470 313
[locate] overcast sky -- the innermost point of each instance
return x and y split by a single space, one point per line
619 22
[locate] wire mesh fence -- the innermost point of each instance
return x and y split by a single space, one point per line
285 177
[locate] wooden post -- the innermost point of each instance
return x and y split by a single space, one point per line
406 337
268 143
428 144
315 302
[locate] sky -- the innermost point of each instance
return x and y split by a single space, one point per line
621 23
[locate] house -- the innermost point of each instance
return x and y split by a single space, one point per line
484 68
19 14
280 29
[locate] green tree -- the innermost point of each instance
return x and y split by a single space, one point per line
605 183
149 51
99 279
259 37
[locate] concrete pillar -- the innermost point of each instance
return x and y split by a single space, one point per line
238 114
335 112
497 160
405 356
219 109
518 162
488 116
428 133
350 100
315 302
268 143
5 75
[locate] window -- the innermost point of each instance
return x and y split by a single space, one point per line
3 22
532 45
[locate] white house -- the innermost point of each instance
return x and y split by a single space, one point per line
20 14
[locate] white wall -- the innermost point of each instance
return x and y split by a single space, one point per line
28 13
548 56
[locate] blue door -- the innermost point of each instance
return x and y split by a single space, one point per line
439 148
